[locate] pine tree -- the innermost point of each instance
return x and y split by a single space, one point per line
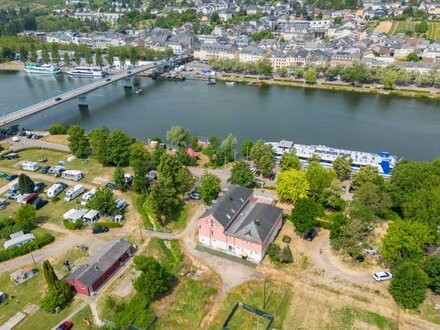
119 178
49 275
25 184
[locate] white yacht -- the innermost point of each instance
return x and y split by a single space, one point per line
41 68
83 71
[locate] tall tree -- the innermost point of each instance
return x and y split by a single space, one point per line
241 174
25 218
342 167
88 57
405 240
304 214
78 141
367 174
103 201
118 148
246 148
209 187
172 173
23 54
133 56
289 161
122 56
163 201
66 59
33 52
98 57
227 149
98 138
153 279
310 76
49 274
54 53
292 185
25 184
374 197
77 57
408 285
178 136
119 179
319 179
45 54
140 161
109 57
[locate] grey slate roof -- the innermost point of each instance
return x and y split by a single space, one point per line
229 204
89 272
256 224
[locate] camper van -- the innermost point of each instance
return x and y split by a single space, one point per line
74 192
87 196
30 166
54 190
72 175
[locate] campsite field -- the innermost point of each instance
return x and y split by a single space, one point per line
403 26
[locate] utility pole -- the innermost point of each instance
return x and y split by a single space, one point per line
264 294
140 231
33 259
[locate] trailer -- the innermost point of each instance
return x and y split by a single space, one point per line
30 166
74 192
72 175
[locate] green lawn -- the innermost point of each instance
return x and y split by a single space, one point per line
29 292
168 253
78 320
251 293
191 302
75 257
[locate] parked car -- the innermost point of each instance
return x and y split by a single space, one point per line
65 326
3 203
11 177
39 186
3 175
39 203
382 276
108 79
61 163
121 204
99 229
371 251
12 195
111 185
58 99
310 235
45 169
257 173
195 195
43 160
272 176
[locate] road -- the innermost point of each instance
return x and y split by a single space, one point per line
25 143
64 97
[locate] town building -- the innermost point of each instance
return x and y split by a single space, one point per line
88 277
241 223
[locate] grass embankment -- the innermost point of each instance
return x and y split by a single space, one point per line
308 310
402 92
252 293
403 26
29 292
182 307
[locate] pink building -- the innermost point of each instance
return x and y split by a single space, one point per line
241 223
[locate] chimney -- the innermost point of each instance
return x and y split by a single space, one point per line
257 222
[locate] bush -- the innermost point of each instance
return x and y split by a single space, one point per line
57 129
109 224
40 241
408 285
55 199
286 256
73 225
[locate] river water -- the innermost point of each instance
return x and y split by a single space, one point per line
409 128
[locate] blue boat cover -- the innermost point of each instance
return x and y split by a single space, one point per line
385 164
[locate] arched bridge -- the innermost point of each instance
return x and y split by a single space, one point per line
83 90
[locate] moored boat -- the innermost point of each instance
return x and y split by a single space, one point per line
211 82
41 68
230 83
80 71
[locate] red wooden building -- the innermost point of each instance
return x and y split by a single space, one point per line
91 275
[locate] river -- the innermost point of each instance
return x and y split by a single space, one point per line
409 128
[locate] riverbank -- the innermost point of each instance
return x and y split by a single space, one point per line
422 93
12 66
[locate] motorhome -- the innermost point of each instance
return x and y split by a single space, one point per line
54 190
74 192
72 175
30 166
87 196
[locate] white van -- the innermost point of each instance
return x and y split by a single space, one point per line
74 192
91 216
72 175
30 166
54 190
13 186
87 196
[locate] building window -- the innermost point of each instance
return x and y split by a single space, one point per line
230 247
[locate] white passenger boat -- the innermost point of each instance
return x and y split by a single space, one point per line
41 68
81 71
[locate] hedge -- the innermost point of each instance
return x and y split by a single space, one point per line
39 242
73 225
109 224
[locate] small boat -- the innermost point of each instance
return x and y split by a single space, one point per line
211 82
42 68
139 91
255 83
230 83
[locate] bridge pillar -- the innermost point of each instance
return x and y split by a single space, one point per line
128 83
82 102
